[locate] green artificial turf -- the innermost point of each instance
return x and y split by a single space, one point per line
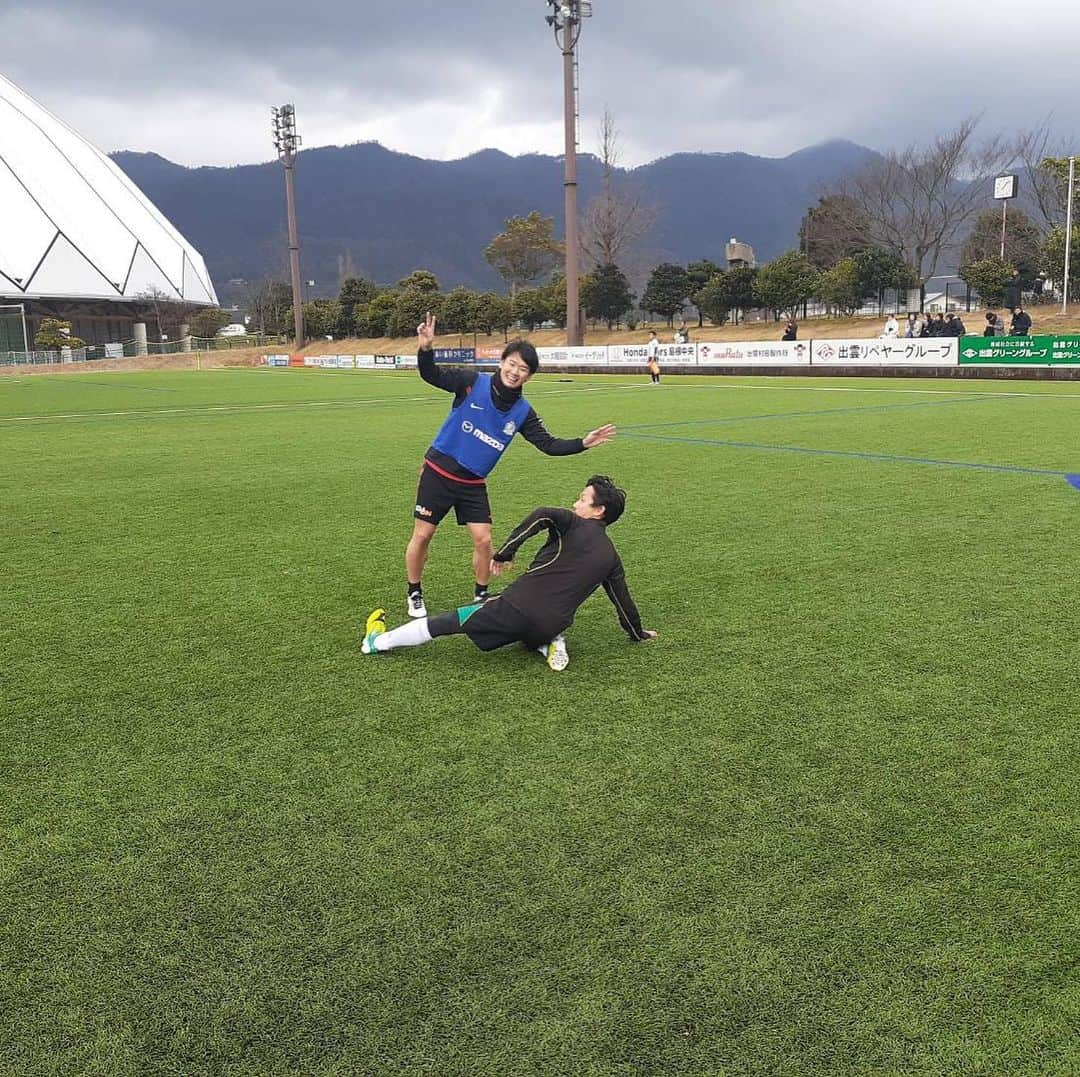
828 823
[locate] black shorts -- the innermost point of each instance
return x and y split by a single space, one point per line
497 624
436 495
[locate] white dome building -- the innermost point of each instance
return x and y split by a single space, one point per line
78 240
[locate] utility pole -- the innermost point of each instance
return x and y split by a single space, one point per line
565 21
286 141
1068 236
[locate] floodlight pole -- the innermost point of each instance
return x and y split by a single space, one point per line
1068 236
566 23
286 142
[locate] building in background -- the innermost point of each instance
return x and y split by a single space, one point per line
79 241
739 255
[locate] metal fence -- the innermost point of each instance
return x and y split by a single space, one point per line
129 349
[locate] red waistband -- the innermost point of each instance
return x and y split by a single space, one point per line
453 478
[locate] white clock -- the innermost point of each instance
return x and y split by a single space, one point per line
1005 187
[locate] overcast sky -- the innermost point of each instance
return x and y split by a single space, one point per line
194 80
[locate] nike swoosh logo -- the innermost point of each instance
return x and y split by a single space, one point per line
477 407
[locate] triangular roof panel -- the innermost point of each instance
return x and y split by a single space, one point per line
64 271
25 232
146 277
193 285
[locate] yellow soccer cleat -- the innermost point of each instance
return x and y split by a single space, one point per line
556 654
375 626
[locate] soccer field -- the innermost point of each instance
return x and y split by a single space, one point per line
828 823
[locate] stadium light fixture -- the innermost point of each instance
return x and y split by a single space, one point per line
565 21
286 142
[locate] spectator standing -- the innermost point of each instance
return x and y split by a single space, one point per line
791 331
892 327
1013 289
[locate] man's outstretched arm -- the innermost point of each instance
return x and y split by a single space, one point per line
615 588
554 521
534 431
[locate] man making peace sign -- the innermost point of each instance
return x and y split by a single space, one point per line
488 410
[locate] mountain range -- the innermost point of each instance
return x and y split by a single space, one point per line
367 210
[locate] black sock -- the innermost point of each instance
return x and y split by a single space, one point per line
481 590
415 589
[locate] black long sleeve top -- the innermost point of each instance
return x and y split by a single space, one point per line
576 558
460 382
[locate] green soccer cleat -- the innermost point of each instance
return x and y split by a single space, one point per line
375 626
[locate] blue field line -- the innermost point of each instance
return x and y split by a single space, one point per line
852 455
810 412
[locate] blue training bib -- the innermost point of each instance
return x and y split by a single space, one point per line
476 433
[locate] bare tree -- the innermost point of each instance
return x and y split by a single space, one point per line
168 310
1042 183
832 230
617 217
918 201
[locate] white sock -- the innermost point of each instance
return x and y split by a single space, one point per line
408 635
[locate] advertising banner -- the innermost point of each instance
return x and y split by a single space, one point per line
277 360
406 360
893 351
296 360
596 356
365 360
455 355
385 360
321 360
677 353
488 353
1020 351
755 353
637 354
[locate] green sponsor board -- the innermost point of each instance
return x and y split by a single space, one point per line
1020 351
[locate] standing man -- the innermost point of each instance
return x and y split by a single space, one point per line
652 356
576 558
488 410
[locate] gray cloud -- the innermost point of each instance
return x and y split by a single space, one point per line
194 82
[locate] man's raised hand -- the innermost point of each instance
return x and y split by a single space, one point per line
598 436
425 331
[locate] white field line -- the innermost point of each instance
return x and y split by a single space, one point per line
210 409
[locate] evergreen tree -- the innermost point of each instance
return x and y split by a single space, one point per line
668 288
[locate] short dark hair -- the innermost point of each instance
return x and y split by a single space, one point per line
608 496
526 351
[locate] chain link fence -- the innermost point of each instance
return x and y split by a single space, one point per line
130 349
